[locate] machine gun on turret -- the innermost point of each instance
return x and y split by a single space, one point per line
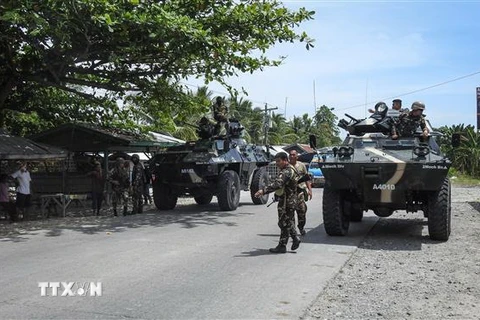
379 121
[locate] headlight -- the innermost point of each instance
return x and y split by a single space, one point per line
345 152
421 151
382 108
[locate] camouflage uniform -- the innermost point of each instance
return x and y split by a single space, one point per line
120 190
220 115
286 180
138 186
301 206
407 124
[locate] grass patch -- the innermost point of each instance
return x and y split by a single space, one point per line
459 179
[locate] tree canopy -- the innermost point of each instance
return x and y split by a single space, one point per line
64 59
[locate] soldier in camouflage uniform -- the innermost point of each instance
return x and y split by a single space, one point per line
220 114
285 186
408 122
118 177
138 184
304 191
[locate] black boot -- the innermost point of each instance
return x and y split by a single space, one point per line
296 243
125 211
281 248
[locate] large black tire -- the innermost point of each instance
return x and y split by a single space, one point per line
439 213
163 197
356 213
204 199
335 221
353 211
259 180
228 193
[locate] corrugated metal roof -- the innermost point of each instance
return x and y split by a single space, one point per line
15 147
93 138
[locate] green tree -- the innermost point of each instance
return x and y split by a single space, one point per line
325 127
92 53
465 158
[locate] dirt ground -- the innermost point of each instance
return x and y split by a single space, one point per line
399 273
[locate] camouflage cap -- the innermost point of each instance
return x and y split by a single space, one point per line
417 105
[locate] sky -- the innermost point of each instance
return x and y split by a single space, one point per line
370 51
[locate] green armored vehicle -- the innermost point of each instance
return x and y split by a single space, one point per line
215 165
370 171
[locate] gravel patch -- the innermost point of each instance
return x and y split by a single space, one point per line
399 273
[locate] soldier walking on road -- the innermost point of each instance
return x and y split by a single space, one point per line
138 184
304 192
285 187
118 177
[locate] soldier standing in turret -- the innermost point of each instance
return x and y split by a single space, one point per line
285 187
220 114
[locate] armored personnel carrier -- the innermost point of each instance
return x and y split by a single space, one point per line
215 165
370 171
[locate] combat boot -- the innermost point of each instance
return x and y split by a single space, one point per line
281 248
296 243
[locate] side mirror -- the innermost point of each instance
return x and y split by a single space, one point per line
313 141
456 139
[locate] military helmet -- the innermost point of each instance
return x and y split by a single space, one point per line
135 156
417 105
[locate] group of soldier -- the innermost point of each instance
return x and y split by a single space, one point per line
404 122
292 187
123 185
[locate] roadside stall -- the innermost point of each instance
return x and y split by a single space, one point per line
87 143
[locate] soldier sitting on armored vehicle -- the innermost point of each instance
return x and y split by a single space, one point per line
409 122
206 129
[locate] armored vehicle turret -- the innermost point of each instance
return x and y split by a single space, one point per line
217 164
371 171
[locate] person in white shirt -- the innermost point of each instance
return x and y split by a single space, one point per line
23 189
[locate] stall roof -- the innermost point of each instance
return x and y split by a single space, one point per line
93 138
19 148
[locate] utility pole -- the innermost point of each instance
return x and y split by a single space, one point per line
266 123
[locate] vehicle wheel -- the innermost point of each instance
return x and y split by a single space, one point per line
204 199
163 197
353 211
228 194
439 213
260 180
335 221
356 213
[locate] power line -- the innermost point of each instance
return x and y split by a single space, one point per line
414 91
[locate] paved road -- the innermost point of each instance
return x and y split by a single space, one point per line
193 262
